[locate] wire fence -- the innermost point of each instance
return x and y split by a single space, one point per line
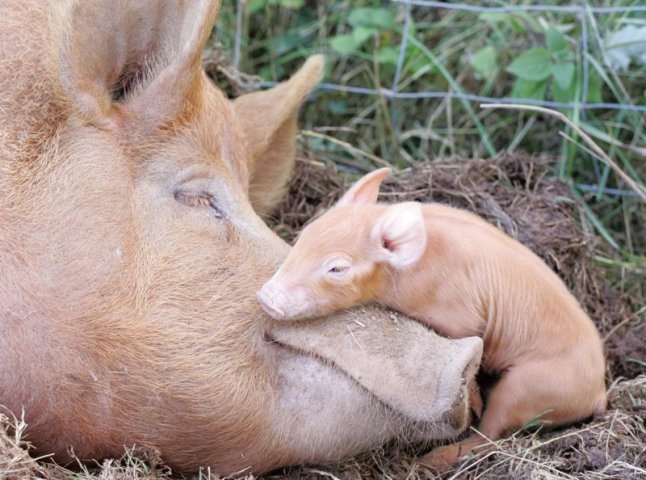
584 12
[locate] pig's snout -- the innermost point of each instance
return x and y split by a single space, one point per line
268 298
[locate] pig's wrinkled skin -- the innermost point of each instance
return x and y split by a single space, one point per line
130 252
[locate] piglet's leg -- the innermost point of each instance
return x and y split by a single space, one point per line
523 393
475 399
445 458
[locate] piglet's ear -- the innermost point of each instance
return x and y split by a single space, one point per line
400 234
366 189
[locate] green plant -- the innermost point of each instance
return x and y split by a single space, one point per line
552 65
365 24
525 55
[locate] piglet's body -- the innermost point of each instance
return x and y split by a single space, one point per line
462 277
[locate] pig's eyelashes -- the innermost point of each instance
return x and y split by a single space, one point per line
201 199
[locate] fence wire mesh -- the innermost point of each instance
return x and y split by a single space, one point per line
590 47
585 12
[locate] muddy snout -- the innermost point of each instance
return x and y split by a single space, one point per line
272 301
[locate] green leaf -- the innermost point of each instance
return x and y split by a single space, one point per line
533 64
601 77
266 73
343 44
595 86
283 43
254 6
529 22
380 18
566 94
529 89
292 3
566 55
360 34
484 62
555 40
494 17
563 74
517 24
388 55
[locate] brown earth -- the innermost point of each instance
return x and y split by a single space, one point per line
520 195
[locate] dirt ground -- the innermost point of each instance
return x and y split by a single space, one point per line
520 195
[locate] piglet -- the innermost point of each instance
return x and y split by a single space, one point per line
460 276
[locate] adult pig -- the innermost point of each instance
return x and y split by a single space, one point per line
131 251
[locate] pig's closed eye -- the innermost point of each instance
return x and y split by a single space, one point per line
199 199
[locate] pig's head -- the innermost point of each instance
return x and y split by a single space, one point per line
341 259
132 75
130 188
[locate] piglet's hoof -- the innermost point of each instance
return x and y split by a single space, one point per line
441 459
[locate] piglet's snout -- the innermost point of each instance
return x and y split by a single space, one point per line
270 298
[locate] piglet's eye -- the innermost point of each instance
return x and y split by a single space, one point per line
338 269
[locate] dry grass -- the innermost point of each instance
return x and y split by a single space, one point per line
519 194
17 464
612 446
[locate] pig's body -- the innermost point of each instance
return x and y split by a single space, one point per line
130 252
462 277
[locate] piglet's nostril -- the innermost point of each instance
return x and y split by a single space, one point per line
267 302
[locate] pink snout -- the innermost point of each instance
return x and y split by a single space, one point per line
270 298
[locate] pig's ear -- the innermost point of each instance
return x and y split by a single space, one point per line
366 190
268 120
137 56
400 235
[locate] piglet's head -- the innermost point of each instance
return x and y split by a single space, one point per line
348 255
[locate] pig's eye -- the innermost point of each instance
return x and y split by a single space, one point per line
199 199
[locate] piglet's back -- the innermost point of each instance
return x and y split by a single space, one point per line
527 307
